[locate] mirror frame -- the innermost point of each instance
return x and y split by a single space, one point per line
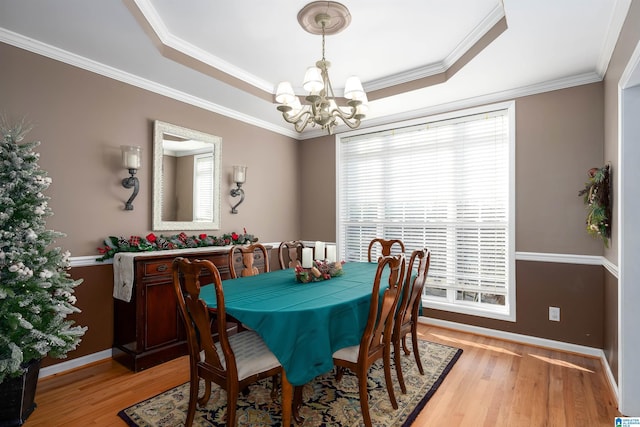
159 129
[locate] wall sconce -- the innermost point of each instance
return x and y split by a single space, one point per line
131 159
239 177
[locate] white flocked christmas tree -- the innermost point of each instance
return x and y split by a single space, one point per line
36 290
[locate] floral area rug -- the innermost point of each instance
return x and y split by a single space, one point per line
326 402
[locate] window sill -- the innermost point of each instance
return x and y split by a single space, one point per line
498 314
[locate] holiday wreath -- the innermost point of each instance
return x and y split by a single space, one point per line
597 197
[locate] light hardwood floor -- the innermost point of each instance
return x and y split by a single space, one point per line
494 383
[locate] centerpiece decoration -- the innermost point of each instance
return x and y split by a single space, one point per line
323 267
153 242
321 270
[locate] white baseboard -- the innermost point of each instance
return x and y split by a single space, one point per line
536 341
75 363
510 336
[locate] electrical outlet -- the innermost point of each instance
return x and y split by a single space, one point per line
554 314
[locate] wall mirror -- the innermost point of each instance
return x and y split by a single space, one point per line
186 178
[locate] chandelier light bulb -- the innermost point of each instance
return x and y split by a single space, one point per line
353 89
313 80
285 94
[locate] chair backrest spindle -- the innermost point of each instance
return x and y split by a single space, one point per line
290 253
247 266
387 247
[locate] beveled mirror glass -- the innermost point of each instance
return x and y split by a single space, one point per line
186 178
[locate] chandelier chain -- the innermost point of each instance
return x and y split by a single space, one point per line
323 41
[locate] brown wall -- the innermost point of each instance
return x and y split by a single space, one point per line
318 181
576 289
610 322
559 137
96 302
82 118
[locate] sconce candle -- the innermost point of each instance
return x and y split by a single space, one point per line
131 156
239 174
239 177
131 160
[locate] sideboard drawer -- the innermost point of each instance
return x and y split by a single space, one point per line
157 268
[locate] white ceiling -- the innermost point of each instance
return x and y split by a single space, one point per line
178 48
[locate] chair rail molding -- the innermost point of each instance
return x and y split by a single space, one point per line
90 260
569 259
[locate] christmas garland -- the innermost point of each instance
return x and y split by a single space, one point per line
152 242
596 194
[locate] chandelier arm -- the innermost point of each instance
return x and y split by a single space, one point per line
338 112
301 124
297 117
353 125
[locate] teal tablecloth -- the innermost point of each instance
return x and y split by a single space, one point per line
302 324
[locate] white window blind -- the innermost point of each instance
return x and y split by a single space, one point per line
444 185
203 188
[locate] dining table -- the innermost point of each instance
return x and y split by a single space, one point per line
303 324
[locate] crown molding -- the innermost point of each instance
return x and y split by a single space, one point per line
484 27
441 67
69 58
172 41
620 11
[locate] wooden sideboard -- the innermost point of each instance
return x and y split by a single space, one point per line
148 330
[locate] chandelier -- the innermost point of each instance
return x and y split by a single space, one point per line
322 108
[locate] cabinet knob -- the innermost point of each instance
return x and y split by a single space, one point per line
162 267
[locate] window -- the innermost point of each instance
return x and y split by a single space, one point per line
445 183
203 187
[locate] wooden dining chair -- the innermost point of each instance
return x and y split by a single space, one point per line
406 320
234 361
387 247
290 253
375 343
242 260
